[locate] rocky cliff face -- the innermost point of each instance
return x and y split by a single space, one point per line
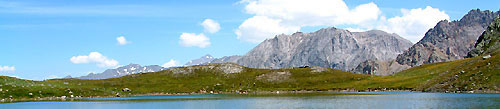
489 41
448 41
383 68
122 71
328 47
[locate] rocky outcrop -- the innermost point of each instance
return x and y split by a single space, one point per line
489 41
382 68
328 47
122 71
448 41
226 68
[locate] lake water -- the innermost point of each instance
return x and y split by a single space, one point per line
367 100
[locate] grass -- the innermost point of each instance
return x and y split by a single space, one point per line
436 77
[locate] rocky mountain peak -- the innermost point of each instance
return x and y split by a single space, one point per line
203 59
327 47
448 41
489 41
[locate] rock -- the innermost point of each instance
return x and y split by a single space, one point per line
304 66
71 96
486 57
448 41
229 68
327 47
488 42
226 68
275 76
319 69
63 97
382 68
126 90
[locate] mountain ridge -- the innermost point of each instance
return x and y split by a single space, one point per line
123 71
327 47
448 41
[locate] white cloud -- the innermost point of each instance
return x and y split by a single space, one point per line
210 26
94 57
122 41
171 63
414 23
7 68
274 17
355 29
192 39
258 28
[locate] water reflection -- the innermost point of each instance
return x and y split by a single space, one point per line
382 100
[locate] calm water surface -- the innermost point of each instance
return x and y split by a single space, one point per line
331 100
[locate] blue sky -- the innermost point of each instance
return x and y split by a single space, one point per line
39 38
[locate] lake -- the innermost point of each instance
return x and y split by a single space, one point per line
367 100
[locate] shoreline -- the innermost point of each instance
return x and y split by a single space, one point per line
276 92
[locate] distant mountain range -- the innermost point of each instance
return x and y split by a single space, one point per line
202 60
122 71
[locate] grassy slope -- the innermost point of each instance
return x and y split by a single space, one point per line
430 77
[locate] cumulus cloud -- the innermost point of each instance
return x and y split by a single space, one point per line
258 28
94 57
210 26
192 39
414 23
7 68
272 17
171 63
122 41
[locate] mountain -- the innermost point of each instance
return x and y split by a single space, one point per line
383 68
448 41
225 59
468 75
327 47
122 71
67 77
204 59
489 41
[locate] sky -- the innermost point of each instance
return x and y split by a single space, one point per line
54 38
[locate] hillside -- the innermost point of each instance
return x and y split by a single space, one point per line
472 74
